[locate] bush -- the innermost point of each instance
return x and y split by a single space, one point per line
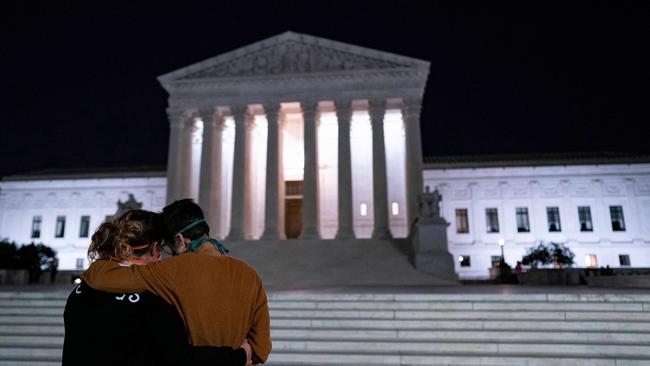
32 257
547 253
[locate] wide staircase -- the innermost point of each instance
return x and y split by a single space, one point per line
316 328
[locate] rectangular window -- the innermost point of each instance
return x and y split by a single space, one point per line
465 261
59 232
584 215
624 260
36 226
80 263
492 220
553 217
523 225
462 224
84 226
394 208
618 222
591 260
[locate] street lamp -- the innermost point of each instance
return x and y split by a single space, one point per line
502 242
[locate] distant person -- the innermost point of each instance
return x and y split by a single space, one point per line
204 285
54 269
518 267
133 328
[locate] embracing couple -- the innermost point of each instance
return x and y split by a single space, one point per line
198 307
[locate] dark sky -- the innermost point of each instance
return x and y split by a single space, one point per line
79 89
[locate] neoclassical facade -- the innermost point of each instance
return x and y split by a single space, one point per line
306 156
297 136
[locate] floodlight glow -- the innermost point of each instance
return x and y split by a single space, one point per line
363 209
502 242
461 258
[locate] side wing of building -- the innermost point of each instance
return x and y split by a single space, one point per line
602 212
63 212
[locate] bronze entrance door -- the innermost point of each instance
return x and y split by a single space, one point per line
293 209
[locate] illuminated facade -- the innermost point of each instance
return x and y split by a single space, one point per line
304 143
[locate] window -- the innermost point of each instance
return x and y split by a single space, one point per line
394 208
83 226
36 226
591 260
462 225
523 225
492 220
624 260
80 263
363 209
618 222
553 217
464 261
59 231
584 215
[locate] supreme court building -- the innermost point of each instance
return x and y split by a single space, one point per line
306 156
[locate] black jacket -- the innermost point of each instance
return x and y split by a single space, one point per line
132 329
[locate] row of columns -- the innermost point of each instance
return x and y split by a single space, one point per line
210 176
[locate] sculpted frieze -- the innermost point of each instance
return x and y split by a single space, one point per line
292 57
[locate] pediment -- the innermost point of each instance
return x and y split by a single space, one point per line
289 54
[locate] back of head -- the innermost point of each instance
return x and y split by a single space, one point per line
182 213
132 233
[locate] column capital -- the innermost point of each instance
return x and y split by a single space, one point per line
239 111
412 106
343 109
272 108
177 117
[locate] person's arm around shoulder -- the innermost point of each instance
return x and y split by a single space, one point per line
159 278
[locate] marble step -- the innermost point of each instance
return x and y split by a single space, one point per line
29 363
23 324
465 348
442 297
51 339
426 305
322 359
447 315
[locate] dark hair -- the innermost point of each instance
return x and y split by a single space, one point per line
181 213
115 238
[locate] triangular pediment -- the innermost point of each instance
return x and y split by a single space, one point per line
292 53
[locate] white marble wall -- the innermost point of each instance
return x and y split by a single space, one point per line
20 201
537 188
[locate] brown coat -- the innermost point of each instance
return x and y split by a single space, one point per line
221 299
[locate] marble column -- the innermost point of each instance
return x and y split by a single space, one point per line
210 177
381 230
346 225
239 176
272 196
179 155
411 116
310 180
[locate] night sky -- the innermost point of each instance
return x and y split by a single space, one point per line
79 86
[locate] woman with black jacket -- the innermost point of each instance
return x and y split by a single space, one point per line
133 329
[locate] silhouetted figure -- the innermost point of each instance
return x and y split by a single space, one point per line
54 269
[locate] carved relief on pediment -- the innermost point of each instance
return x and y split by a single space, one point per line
292 57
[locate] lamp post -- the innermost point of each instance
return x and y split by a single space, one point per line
502 242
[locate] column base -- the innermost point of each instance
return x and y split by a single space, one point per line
381 234
235 236
309 234
270 234
345 234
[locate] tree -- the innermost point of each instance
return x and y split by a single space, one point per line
547 253
32 257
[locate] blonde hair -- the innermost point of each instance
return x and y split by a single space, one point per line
114 238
